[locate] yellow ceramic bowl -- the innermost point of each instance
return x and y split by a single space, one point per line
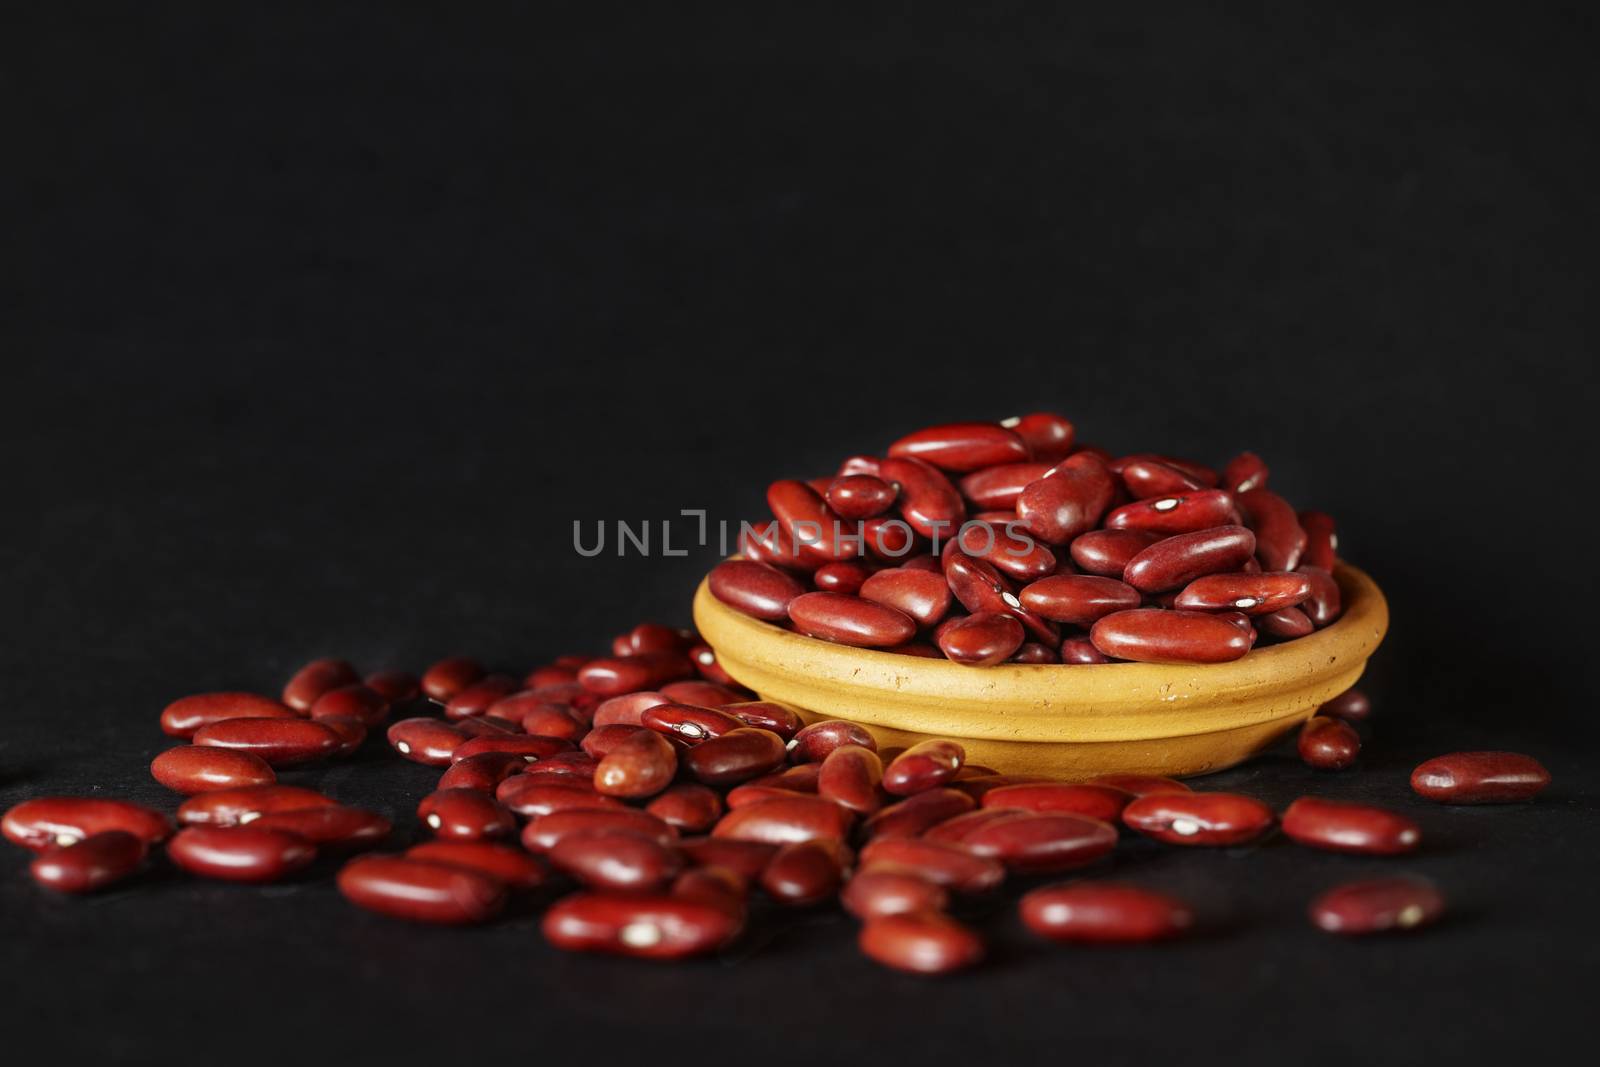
1069 722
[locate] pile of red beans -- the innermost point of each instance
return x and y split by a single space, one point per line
988 543
645 801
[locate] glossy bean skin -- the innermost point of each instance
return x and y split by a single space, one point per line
1150 478
765 716
1141 785
329 826
1080 650
1339 826
617 862
846 578
427 741
642 765
1198 818
1049 437
850 620
1280 539
956 831
688 807
514 867
1252 594
529 797
447 677
565 768
765 542
688 723
1376 906
1151 635
1174 562
736 756
1201 474
705 661
707 694
627 709
716 887
949 866
962 446
1101 802
928 502
1480 778
477 698
1104 913
357 701
920 943
1078 599
395 687
981 640
316 678
1006 547
44 822
809 524
1352 705
92 863
1067 502
860 496
486 726
747 859
465 815
539 718
352 732
915 814
1284 625
483 772
656 637
921 595
546 831
1106 553
423 890
1324 603
645 927
1322 540
525 747
184 716
629 674
786 820
1244 472
980 588
887 891
805 872
1178 514
191 769
1043 843
235 807
925 765
800 778
1328 744
1034 652
280 742
997 487
757 589
240 853
602 739
851 777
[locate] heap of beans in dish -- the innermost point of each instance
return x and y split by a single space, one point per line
987 543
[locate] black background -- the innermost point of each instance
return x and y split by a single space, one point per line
322 325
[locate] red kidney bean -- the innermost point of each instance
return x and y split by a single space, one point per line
979 786
549 676
704 694
647 927
1080 650
925 765
1039 843
688 807
805 873
1049 437
921 595
736 756
422 890
1068 501
1104 913
929 504
1322 540
184 716
949 866
887 891
1178 514
1140 785
329 826
911 816
1352 705
1033 652
526 747
358 702
427 741
192 769
1106 553
483 771
998 487
930 563
1377 906
538 718
1204 475
477 698
850 777
1101 802
1251 594
240 853
962 446
981 588
1198 818
705 661
234 807
715 887
352 732
920 943
1324 603
766 716
858 465
465 815
603 739
747 794
860 496
688 723
981 640
645 670
1152 635
801 778
1174 562
654 637
395 687
1480 778
616 862
546 831
1007 548
1079 599
564 768
507 864
955 831
627 709
850 620
487 726
757 589
767 543
641 765
93 863
1286 624
747 859
1280 540
784 820
1244 472
529 797
61 821
280 742
450 676
1339 826
1147 478
316 678
917 649
889 539
808 523
1328 744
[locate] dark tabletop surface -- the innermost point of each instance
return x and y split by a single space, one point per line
321 327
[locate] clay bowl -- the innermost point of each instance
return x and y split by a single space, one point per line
1068 722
